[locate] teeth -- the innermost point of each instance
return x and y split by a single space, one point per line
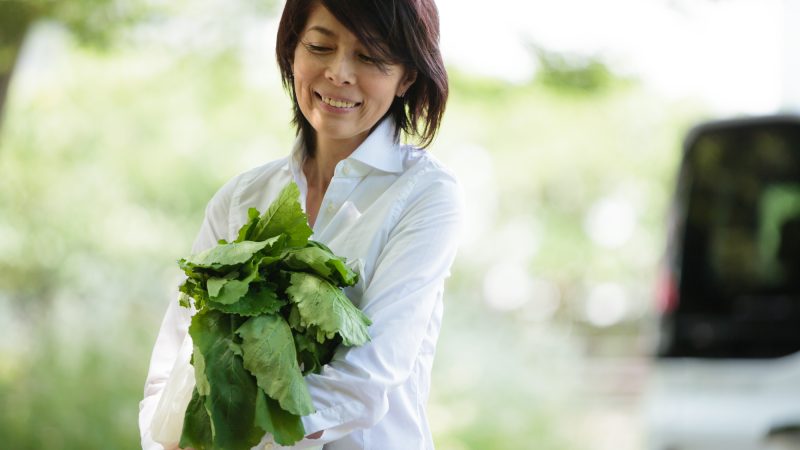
338 103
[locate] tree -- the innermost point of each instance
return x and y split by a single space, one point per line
93 22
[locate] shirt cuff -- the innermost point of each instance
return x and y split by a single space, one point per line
336 421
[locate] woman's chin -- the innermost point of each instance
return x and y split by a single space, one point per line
337 131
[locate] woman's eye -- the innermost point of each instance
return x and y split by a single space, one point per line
367 59
316 48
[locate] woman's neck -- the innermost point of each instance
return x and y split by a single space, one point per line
319 168
319 172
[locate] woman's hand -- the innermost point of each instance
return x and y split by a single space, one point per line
316 435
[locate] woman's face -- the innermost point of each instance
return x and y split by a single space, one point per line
341 90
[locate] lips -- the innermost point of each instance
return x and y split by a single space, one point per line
337 102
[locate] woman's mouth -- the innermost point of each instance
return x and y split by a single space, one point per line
337 103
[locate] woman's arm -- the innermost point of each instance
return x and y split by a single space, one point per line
400 298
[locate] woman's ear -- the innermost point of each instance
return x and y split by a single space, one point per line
408 79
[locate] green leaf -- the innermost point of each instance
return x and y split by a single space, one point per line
200 380
285 215
341 273
320 245
265 264
307 258
196 424
191 271
232 291
313 354
229 290
232 390
214 285
322 262
191 288
184 300
260 299
285 427
228 254
269 354
245 232
325 306
347 276
294 319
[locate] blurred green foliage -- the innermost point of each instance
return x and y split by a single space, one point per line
102 24
573 73
93 21
107 161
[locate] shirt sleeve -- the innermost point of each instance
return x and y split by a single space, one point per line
407 282
175 324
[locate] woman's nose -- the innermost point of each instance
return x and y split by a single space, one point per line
340 71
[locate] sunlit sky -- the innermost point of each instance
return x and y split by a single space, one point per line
729 53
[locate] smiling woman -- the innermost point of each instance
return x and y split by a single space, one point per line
361 73
383 40
340 87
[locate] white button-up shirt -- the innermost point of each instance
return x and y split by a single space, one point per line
395 213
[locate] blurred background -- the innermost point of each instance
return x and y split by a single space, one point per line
121 118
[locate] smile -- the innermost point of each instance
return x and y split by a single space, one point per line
337 103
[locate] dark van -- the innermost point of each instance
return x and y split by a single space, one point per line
727 367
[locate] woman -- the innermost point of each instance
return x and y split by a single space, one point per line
361 73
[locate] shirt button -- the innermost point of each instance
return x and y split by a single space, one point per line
346 169
331 208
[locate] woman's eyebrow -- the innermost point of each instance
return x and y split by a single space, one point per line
322 30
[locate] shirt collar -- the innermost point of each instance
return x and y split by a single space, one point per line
380 150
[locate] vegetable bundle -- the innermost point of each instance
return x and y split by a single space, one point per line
270 310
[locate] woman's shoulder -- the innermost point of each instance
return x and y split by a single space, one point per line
426 168
261 174
251 180
429 180
255 175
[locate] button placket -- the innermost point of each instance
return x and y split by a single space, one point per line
338 191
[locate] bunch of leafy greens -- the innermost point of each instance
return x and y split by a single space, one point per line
270 310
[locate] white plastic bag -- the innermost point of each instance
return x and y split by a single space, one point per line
167 422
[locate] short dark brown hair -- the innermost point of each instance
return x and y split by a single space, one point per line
401 31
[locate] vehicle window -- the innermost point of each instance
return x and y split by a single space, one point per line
740 265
